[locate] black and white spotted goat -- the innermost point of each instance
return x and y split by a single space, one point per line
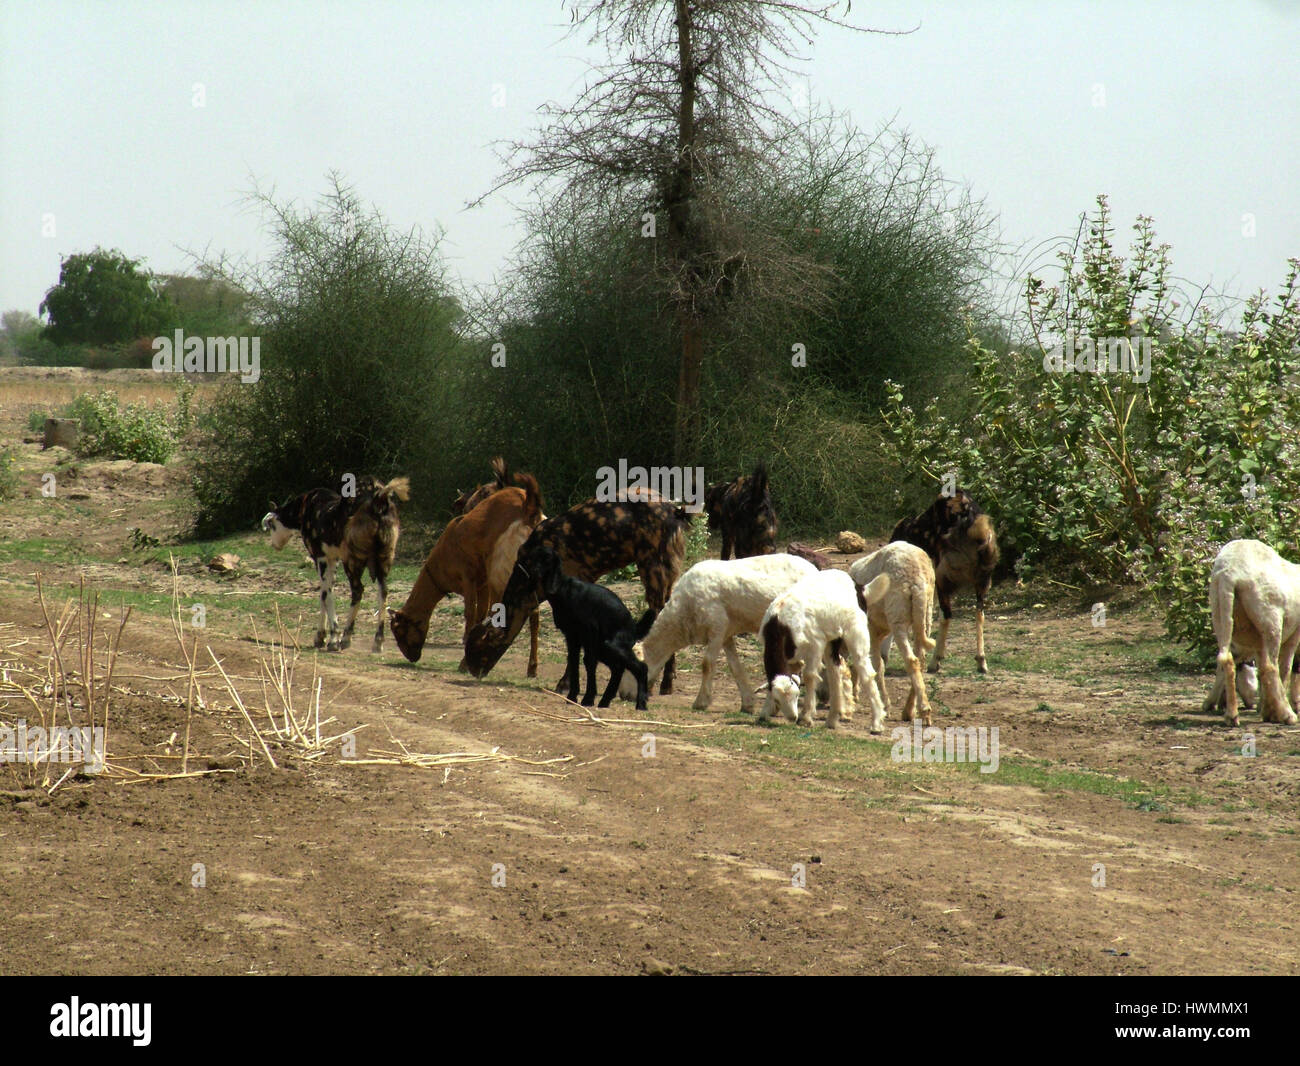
359 530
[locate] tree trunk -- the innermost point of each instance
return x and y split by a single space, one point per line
686 436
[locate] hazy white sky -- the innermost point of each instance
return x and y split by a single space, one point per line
1186 111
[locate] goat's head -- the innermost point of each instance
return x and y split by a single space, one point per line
488 641
408 633
272 523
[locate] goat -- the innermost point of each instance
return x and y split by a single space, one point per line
473 558
819 618
960 541
591 539
594 621
712 604
1255 609
902 615
361 531
742 511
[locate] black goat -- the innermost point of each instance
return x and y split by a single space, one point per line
595 621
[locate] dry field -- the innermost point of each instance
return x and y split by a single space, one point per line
552 843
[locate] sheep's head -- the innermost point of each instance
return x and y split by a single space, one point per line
1248 686
785 694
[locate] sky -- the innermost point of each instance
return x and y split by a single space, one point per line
144 126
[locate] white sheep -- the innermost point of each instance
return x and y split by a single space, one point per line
819 619
1255 607
712 604
902 615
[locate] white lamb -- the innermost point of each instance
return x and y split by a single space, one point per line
819 619
712 604
902 615
1255 607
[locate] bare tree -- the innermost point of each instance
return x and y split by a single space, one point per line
688 100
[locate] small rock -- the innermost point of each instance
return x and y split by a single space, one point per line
849 543
225 563
652 967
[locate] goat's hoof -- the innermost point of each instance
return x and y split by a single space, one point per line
532 671
320 639
665 688
981 666
343 644
377 646
934 668
700 705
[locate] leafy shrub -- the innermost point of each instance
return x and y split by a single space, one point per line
137 432
8 473
1108 477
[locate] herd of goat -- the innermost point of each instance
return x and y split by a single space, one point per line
820 628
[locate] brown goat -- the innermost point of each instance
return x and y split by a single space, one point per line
960 541
473 558
467 501
591 539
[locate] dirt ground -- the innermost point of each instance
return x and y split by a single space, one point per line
1124 832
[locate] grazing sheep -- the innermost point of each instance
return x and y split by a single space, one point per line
473 558
960 541
817 619
742 511
903 615
712 604
360 531
591 539
595 622
1255 608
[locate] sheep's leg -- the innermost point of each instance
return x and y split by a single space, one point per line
381 580
941 648
916 694
707 666
868 686
1272 701
1226 675
879 656
741 678
980 663
1289 678
1215 699
534 624
811 675
358 590
836 695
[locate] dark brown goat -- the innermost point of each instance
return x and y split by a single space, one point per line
742 511
960 541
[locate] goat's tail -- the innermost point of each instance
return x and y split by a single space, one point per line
758 483
532 499
498 465
643 626
399 487
981 531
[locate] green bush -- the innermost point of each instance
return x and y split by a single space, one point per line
358 361
8 473
137 432
1108 478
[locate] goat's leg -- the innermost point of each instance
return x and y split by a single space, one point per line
328 633
571 671
728 543
980 592
381 581
589 660
534 624
657 580
941 648
738 673
322 619
358 590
